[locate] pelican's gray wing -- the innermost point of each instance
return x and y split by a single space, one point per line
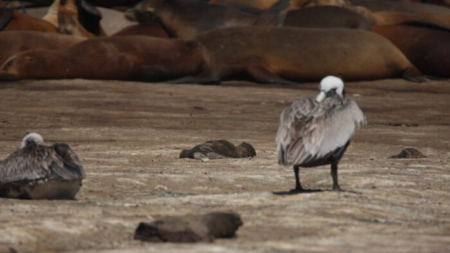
291 121
328 127
73 169
38 163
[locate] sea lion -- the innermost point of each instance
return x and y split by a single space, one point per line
185 19
218 150
427 48
112 21
395 18
294 4
400 6
190 228
326 17
14 20
290 54
141 58
112 3
86 14
148 29
13 42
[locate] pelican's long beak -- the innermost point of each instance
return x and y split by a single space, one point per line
321 96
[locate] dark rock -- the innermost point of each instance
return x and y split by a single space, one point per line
190 229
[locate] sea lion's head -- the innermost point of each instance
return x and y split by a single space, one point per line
31 64
143 11
245 150
9 71
32 139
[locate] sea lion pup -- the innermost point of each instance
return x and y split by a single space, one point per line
41 172
317 131
326 17
11 20
185 19
427 48
153 29
140 58
13 42
218 150
289 54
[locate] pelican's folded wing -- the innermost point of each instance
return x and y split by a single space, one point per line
331 126
72 169
28 164
292 120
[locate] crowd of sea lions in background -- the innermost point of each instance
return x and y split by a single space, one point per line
195 41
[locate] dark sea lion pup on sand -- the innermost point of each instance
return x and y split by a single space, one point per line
218 150
316 131
190 228
40 172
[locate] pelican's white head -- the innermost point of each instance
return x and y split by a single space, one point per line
32 139
330 87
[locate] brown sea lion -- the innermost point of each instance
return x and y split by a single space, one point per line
326 17
218 150
294 4
15 21
141 58
112 3
13 42
148 29
112 21
185 19
395 18
190 228
86 14
427 48
400 6
104 3
278 54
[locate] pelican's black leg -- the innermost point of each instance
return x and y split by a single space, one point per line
334 169
298 186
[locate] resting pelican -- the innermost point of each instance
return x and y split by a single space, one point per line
40 172
317 131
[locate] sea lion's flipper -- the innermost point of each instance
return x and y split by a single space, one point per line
6 15
263 74
196 79
200 156
213 155
89 16
275 15
414 75
243 8
427 24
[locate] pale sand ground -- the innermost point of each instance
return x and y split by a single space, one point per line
404 205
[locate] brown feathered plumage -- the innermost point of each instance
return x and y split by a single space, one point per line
32 167
317 131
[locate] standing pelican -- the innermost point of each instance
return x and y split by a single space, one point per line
317 131
40 172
